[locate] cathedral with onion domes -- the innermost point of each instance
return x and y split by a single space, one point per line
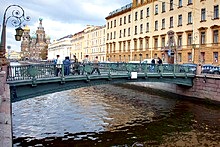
32 45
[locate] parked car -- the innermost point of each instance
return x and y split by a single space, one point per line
215 70
207 67
188 67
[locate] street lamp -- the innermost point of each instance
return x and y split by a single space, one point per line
19 32
17 18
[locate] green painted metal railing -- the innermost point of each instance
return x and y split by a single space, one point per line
40 71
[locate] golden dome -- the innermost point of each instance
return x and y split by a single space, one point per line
26 28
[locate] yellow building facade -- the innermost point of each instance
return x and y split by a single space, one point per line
77 42
177 31
94 38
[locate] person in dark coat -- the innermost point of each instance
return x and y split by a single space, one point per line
66 64
153 64
76 66
159 61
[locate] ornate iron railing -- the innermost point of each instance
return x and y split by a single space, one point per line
39 71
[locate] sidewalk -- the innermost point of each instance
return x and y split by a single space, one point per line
5 113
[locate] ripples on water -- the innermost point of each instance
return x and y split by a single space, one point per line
104 115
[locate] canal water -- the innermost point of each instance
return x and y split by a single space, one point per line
114 115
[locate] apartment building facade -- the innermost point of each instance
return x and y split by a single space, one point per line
77 43
178 31
60 47
94 38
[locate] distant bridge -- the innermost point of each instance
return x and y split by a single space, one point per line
27 81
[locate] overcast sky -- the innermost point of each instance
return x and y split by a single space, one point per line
60 17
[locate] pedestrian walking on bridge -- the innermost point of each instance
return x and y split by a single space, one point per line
96 66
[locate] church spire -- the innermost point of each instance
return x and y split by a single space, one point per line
40 24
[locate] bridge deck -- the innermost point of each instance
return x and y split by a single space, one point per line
32 80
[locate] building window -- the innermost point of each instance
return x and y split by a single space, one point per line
147 56
141 28
135 31
129 31
189 39
156 25
147 27
129 45
163 7
203 14
156 9
216 12
124 32
215 57
114 23
163 41
114 34
141 43
136 16
136 2
142 1
202 38
135 44
124 19
163 23
179 41
124 46
171 4
180 20
171 22
189 2
189 57
129 18
202 57
215 36
155 42
148 12
141 15
120 34
120 21
180 3
179 57
111 24
190 18
147 42
108 25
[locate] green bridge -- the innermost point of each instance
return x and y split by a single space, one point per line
27 81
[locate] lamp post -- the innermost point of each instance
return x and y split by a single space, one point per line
17 18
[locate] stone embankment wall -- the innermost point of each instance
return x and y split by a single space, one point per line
5 113
205 87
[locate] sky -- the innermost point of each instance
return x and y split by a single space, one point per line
60 17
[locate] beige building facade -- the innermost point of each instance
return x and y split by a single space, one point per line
94 37
60 47
90 41
77 43
178 31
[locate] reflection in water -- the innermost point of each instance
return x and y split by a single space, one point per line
107 115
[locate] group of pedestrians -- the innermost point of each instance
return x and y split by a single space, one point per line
153 63
75 65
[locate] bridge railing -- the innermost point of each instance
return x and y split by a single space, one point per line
38 71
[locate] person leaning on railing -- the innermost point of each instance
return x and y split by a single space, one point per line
58 65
